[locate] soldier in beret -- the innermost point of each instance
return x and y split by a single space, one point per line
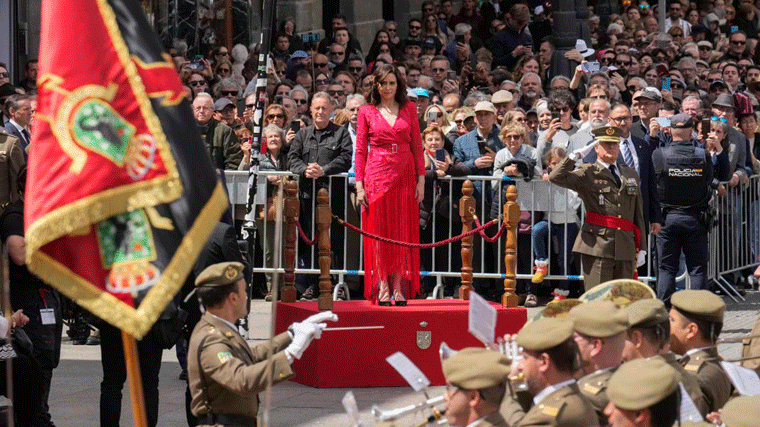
648 336
600 329
550 358
475 386
643 393
696 320
224 373
610 239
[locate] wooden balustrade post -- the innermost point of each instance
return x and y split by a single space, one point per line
292 212
324 219
467 213
511 218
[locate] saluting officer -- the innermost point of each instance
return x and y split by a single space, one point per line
225 374
475 386
696 320
610 239
550 358
643 393
648 336
684 178
11 163
600 328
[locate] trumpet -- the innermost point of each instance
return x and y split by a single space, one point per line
514 352
394 414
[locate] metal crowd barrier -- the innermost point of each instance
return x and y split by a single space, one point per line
737 217
734 241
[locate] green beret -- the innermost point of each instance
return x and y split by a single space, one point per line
742 411
641 383
608 134
700 303
475 368
599 319
220 274
545 333
646 312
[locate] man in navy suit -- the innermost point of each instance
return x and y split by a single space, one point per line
636 154
20 109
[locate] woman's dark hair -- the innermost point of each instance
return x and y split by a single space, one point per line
375 50
373 97
281 27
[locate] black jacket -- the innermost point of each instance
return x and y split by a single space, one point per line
333 152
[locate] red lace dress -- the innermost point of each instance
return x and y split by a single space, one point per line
389 171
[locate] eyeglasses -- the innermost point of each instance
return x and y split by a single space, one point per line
719 119
275 116
415 27
355 68
739 42
250 106
643 6
621 119
622 63
322 81
320 64
229 92
709 80
337 53
704 48
391 30
202 108
438 70
198 83
336 92
300 101
564 109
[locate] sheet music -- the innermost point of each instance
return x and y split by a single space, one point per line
408 370
352 409
689 411
745 380
482 321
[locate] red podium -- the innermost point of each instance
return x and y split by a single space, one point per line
356 357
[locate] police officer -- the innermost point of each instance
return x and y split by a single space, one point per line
696 320
599 330
548 364
684 178
643 393
225 374
475 386
610 239
648 336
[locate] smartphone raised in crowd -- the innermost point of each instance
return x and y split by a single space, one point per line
295 125
196 64
452 75
555 115
663 121
432 115
666 83
591 67
705 128
440 154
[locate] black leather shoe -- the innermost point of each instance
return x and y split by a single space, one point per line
384 303
401 303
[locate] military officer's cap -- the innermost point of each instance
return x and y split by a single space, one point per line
476 368
545 333
599 319
700 303
641 383
646 312
220 274
695 424
608 134
741 411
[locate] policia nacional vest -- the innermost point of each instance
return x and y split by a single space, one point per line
684 174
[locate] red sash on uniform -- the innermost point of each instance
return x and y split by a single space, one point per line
608 221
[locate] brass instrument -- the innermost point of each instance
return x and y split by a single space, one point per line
394 414
737 339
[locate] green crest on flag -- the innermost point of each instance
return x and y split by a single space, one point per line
125 238
100 128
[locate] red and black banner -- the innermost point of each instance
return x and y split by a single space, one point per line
121 196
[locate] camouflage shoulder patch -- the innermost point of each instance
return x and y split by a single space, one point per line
224 356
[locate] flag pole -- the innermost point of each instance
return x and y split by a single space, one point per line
8 312
135 380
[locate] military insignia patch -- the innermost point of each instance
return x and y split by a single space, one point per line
224 356
610 131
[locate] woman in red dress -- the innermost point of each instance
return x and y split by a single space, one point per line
390 180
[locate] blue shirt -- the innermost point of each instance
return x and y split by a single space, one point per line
467 150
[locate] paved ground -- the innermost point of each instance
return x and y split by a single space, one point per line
75 390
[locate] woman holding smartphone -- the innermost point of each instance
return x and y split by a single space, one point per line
390 183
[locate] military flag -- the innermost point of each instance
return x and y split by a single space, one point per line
121 195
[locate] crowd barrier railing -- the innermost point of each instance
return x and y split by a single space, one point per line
737 217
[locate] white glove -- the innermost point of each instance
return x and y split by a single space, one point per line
303 333
641 258
583 151
322 317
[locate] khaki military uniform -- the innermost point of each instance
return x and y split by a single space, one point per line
751 348
690 383
492 420
608 253
11 163
225 373
594 388
565 407
713 380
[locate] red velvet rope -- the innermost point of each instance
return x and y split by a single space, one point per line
421 245
303 235
496 236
